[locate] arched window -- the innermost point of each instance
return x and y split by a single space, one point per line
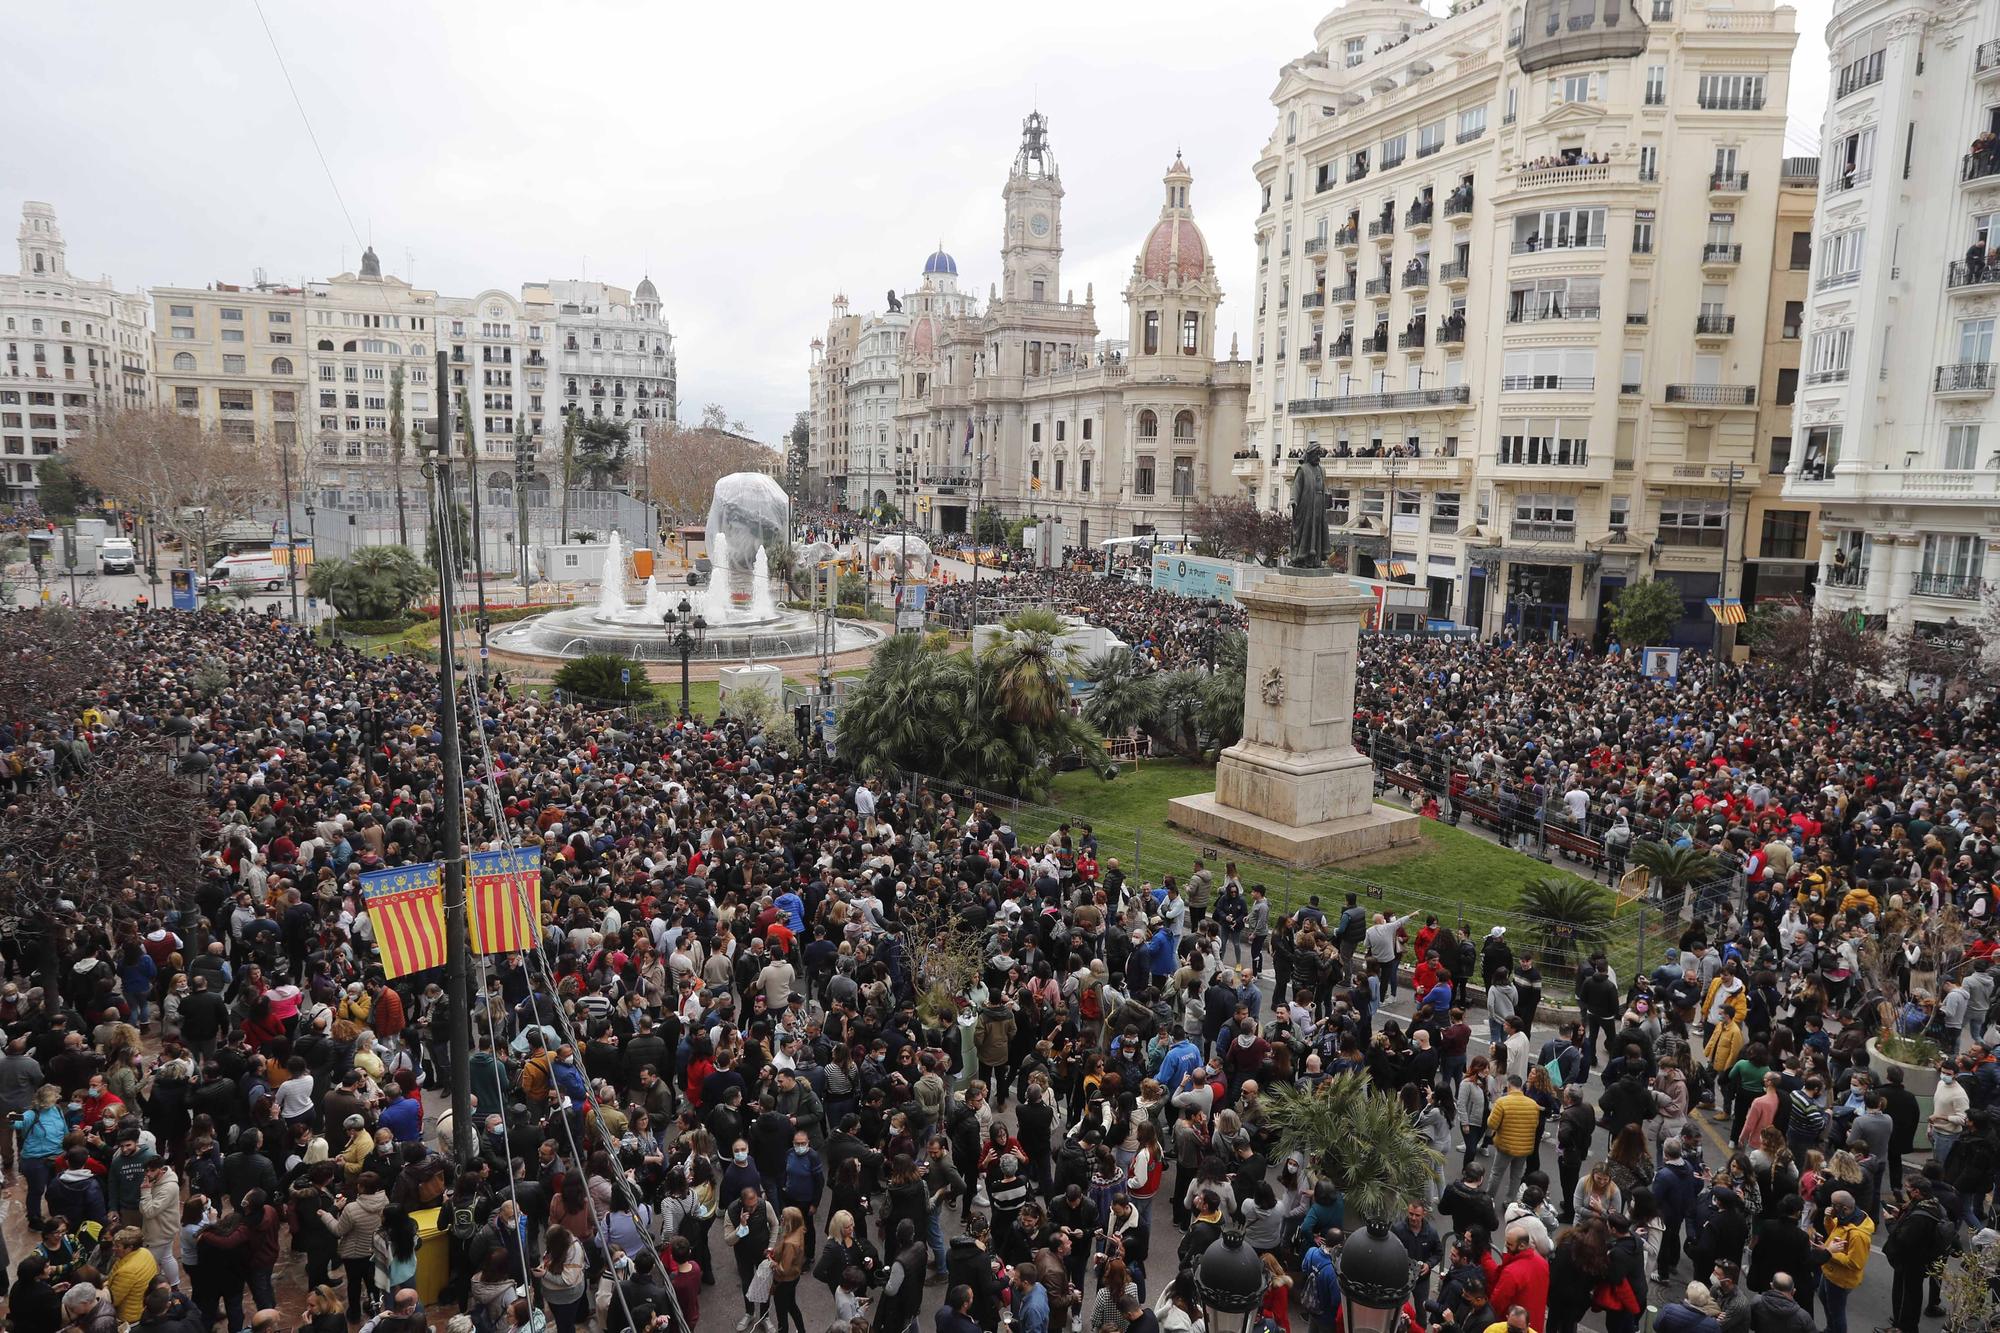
572 388
65 326
326 344
1149 426
416 349
183 360
1184 426
281 365
349 346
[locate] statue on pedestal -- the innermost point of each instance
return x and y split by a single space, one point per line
1309 513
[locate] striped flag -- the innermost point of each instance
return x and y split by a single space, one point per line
406 910
503 896
1727 610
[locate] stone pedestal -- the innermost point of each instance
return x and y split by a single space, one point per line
1295 789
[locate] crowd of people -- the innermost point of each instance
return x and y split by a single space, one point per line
721 1065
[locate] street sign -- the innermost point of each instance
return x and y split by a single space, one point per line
625 676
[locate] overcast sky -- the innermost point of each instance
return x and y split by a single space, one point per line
754 158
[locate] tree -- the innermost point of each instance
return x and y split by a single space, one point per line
1234 527
60 491
1949 663
375 583
1674 870
715 417
460 519
396 453
171 467
686 462
1031 667
801 432
601 676
1359 1139
1569 917
1646 612
1122 698
989 528
50 659
601 448
1826 652
1180 699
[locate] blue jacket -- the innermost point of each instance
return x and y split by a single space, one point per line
1680 1318
794 910
1033 1316
1182 1058
805 1176
41 1131
1675 1186
1318 1271
404 1118
1160 953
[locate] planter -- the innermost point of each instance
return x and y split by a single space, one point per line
1921 1080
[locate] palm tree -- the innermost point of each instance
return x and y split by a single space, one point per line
1359 1139
1179 698
1673 869
1570 918
375 583
906 714
1123 696
1030 667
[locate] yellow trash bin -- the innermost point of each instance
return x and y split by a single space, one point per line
433 1254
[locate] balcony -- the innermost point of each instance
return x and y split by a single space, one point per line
1721 254
1536 245
1455 273
1341 295
1561 177
1547 383
1342 348
1316 247
1521 531
1376 344
1966 379
1467 136
1403 400
1961 274
1728 182
1731 101
1348 237
1537 314
1956 587
1979 166
1312 300
1849 576
1382 228
1377 286
1410 339
1417 279
1418 219
1986 60
1451 330
1425 150
1836 375
1246 466
1458 203
1714 326
1711 395
1310 354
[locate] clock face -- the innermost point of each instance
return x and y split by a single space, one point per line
1039 224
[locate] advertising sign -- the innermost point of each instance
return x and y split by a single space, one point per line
1195 576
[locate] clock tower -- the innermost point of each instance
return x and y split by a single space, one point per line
1031 253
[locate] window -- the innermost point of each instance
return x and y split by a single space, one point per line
1544 443
1975 340
1513 105
1149 425
280 317
1152 335
1190 332
234 400
1795 317
1429 139
1184 426
1394 150
1038 289
1059 431
1692 522
232 365
1035 432
1953 558
187 400
1618 513
1649 162
1822 453
1576 87
278 337
1840 257
1656 85
1781 454
1471 123
1829 354
1354 51
1784 534
1859 60
1788 385
1545 509
1142 477
1632 372
1801 251
1852 161
1730 92
1183 476
1559 229
1961 447
1086 427
230 315
180 312
1083 476
183 332
1539 368
183 360
232 335
1642 231
1059 474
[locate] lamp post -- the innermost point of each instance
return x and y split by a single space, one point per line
312 530
1229 1282
686 628
1375 1280
1206 614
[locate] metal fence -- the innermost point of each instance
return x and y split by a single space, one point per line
338 533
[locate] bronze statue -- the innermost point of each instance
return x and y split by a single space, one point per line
895 306
1309 512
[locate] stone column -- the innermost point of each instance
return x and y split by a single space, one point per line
1902 583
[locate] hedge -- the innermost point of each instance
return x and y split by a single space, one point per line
498 615
396 626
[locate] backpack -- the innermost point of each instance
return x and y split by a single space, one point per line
1090 1002
1314 1295
463 1224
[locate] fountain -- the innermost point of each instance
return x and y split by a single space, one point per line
746 617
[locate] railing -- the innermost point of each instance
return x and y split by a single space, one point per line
1863 73
1835 375
1457 204
1966 377
1341 295
1536 245
1377 286
1580 173
1828 281
1978 166
1713 395
1948 481
1381 227
1391 163
1536 314
1959 587
1428 149
1848 576
1622 464
1417 216
1987 58
1347 236
1961 274
1721 252
1312 300
1342 348
1316 245
1452 330
1456 270
1728 182
1416 279
1375 344
1524 531
1410 338
1467 136
1800 171
1724 20
1547 383
1731 101
1456 395
1656 97
1714 325
1310 353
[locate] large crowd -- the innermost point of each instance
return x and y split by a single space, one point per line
721 1067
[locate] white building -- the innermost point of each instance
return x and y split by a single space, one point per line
1896 432
75 348
1513 267
614 354
875 455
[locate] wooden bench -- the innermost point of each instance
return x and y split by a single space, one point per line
1482 811
1408 783
1577 847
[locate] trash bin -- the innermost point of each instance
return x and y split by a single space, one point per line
433 1254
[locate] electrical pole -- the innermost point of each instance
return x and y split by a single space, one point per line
291 539
458 943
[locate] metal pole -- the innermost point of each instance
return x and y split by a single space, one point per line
1722 581
687 651
458 944
478 533
291 538
978 503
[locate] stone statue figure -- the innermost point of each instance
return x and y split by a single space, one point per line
895 306
1309 512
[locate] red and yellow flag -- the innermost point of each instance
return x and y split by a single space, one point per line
406 910
503 896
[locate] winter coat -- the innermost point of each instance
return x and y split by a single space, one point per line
993 1034
160 1209
1516 1122
77 1196
358 1222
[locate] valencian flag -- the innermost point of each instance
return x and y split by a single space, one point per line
1727 610
406 909
503 895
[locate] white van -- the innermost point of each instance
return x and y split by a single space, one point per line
254 568
116 556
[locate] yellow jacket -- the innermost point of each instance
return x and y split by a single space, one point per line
1739 1003
1724 1045
127 1284
1515 1120
1845 1266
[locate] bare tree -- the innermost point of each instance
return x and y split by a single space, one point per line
48 660
1826 652
175 469
1954 661
685 463
1233 526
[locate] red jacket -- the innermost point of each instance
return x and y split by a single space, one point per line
1522 1278
387 1016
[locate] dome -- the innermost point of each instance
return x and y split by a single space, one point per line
646 291
1175 252
940 262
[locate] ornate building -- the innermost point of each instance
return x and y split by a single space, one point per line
74 349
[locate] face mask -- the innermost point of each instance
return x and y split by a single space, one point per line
742 1157
741 1232
801 1149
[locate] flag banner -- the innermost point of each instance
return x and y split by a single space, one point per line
406 910
503 897
1727 610
1398 569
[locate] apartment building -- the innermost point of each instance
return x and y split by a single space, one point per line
1896 435
828 430
1512 279
75 349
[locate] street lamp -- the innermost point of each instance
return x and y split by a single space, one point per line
1375 1280
1206 614
1229 1282
686 628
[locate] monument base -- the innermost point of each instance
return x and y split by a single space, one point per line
1376 830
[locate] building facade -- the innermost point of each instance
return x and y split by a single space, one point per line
1511 269
828 431
1896 436
76 349
874 385
615 357
1780 543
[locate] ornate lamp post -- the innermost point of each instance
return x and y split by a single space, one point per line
686 628
1229 1282
1375 1280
